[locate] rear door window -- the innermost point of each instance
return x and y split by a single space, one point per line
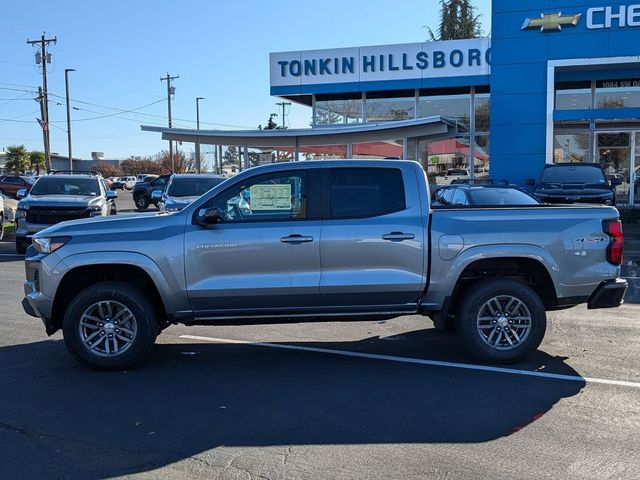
365 192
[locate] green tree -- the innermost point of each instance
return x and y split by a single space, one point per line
17 159
271 124
458 20
38 161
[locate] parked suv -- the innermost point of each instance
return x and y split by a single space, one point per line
10 184
142 191
183 189
60 197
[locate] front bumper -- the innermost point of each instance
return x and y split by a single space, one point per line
35 302
609 294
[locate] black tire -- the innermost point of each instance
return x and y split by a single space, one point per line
21 246
474 304
114 210
141 201
139 305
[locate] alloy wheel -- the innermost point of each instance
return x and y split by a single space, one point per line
108 328
504 322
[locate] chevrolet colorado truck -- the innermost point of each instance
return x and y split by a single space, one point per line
308 241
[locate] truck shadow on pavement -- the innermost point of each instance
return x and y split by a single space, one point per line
59 419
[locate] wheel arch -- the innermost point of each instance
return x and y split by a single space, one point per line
80 277
530 271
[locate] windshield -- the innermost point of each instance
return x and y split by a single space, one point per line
51 185
500 196
574 174
192 186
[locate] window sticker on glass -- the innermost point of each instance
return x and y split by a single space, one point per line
270 197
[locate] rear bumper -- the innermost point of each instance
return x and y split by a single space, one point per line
609 294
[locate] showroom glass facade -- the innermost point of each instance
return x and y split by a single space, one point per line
467 106
614 144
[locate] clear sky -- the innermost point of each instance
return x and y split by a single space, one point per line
220 50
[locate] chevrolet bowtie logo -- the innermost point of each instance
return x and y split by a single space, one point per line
550 22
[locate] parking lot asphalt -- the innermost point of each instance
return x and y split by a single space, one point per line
371 399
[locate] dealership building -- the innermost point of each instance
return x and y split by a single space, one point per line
558 81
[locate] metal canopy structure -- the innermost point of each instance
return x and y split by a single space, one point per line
430 127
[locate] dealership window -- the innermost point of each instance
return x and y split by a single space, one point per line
481 154
481 108
571 147
322 152
573 95
330 110
382 149
618 93
456 106
390 106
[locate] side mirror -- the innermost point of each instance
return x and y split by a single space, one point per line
111 195
208 216
20 194
156 195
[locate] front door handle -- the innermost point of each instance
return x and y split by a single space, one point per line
296 238
398 236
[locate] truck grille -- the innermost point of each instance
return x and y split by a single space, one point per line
49 215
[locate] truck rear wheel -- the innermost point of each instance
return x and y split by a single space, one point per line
501 321
110 326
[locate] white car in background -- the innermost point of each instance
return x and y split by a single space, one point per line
129 182
7 212
452 174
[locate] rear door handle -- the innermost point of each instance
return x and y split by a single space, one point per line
296 238
398 236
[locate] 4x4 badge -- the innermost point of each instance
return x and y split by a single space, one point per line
551 22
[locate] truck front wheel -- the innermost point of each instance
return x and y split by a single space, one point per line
110 326
501 321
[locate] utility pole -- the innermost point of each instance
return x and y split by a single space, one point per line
170 91
66 84
45 58
283 105
198 166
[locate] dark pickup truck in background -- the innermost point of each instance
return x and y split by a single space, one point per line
142 191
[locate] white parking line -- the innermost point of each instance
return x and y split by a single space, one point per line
420 361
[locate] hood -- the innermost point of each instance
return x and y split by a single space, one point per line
122 224
179 202
59 200
573 189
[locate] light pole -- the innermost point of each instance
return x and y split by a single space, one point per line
66 83
198 166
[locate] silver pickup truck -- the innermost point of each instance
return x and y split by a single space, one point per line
322 240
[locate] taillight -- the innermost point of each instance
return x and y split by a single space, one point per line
613 228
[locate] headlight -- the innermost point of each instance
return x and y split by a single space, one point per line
49 244
21 213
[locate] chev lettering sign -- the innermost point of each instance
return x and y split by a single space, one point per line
618 15
382 63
